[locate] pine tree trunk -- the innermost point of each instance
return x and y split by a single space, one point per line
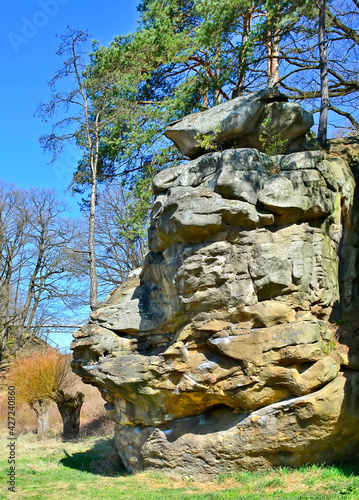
323 118
273 58
41 408
70 408
243 54
92 255
217 96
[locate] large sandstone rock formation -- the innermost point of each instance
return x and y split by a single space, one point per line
217 355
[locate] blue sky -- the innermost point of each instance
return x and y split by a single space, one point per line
28 61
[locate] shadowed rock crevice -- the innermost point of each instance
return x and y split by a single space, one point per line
218 354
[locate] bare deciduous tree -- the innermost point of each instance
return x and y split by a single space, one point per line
40 269
121 239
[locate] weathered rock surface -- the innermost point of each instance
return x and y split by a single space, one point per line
291 433
240 122
217 354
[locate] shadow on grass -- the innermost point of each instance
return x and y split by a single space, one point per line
102 459
101 425
347 469
325 470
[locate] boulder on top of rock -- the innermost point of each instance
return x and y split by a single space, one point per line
240 122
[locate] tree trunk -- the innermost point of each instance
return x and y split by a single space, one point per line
92 255
217 96
4 337
70 408
41 408
207 80
273 44
323 118
273 58
243 54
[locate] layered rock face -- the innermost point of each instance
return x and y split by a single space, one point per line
217 355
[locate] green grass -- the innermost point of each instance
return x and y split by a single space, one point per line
89 469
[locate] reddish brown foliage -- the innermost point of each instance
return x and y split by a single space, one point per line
39 376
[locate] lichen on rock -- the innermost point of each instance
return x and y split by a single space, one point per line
212 356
